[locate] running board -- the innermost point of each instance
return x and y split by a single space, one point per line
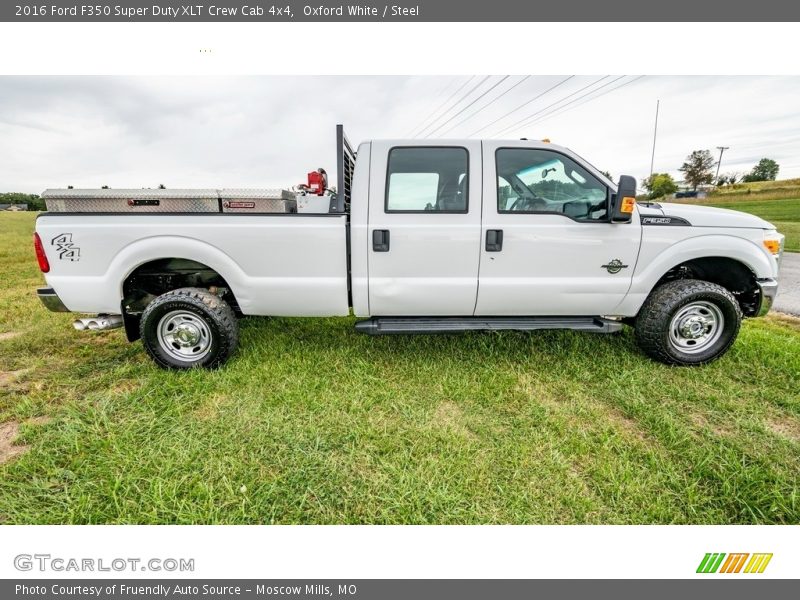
412 325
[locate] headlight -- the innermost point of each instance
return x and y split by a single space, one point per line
773 242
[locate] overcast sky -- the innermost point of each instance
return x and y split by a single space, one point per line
269 131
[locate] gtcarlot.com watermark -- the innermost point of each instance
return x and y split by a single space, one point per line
45 563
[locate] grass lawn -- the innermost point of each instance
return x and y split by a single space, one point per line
775 201
313 423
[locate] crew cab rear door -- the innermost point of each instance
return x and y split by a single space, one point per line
424 228
548 247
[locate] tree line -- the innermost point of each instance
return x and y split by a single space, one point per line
698 169
34 201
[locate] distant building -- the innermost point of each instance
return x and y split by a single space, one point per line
13 207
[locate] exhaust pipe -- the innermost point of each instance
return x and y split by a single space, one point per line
81 324
104 322
98 323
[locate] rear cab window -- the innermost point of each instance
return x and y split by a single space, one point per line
427 179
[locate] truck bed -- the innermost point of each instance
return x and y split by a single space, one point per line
275 264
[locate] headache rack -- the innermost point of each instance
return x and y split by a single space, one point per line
345 164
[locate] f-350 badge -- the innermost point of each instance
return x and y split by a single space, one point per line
615 266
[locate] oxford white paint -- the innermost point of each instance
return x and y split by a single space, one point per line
276 265
359 232
551 264
667 247
432 265
296 265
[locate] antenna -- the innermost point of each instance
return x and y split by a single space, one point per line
655 132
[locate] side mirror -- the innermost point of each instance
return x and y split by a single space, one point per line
624 200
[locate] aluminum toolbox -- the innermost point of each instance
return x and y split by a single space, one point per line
131 201
170 201
258 201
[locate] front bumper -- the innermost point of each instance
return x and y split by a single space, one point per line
51 300
769 289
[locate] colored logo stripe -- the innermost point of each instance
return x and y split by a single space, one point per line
758 563
733 564
710 562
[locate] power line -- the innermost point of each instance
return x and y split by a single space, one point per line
424 123
558 111
468 105
456 103
488 104
442 91
430 115
541 110
511 112
574 100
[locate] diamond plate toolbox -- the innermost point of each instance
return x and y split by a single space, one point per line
134 201
258 201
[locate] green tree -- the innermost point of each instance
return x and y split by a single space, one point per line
729 178
766 170
698 168
33 201
660 184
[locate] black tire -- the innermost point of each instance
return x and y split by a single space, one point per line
678 310
202 328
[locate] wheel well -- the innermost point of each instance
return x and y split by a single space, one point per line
729 273
151 279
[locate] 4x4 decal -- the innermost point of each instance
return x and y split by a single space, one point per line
65 247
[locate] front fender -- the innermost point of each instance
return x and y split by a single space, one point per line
653 262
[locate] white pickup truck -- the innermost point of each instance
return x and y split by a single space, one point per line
420 236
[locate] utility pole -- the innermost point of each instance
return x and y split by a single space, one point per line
655 132
719 163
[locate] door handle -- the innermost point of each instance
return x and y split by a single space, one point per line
380 240
494 240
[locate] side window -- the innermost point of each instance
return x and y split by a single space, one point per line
531 180
427 179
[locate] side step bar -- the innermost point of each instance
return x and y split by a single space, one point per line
412 325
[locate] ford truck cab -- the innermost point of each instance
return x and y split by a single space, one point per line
420 236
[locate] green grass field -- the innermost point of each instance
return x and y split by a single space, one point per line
312 423
775 201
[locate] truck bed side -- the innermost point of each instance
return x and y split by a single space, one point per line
281 265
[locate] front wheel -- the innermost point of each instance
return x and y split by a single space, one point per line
189 327
688 322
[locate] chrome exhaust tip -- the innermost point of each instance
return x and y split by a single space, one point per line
98 323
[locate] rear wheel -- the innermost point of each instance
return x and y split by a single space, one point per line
688 322
189 327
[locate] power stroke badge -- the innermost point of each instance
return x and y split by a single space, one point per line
65 247
614 267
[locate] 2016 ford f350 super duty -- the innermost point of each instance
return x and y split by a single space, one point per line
420 237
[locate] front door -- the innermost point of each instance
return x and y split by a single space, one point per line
558 253
424 229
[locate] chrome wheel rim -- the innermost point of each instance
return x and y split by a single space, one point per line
184 336
696 326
